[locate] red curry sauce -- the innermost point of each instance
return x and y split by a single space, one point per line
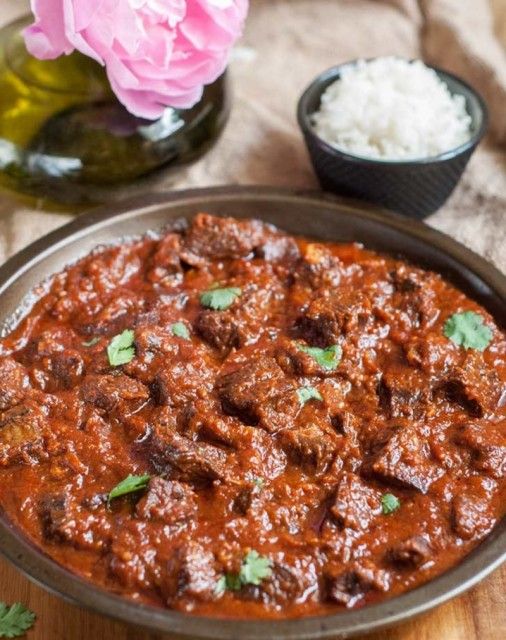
320 418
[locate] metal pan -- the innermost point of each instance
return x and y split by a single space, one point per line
298 213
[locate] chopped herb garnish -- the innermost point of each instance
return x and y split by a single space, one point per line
91 343
306 394
15 620
130 484
221 586
467 329
327 358
254 569
220 299
228 582
121 349
258 482
180 330
389 503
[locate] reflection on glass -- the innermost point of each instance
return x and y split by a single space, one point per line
64 135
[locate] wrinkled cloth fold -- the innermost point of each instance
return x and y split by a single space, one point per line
288 42
460 37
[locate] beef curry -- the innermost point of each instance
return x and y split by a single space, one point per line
225 420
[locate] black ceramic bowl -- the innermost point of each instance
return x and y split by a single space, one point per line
414 188
312 215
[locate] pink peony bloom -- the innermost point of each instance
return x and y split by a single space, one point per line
157 53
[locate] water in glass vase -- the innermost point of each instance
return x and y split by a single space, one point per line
65 137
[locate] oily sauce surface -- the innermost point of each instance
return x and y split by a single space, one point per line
319 418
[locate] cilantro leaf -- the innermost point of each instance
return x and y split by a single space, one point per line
15 620
254 569
130 484
91 343
220 299
180 330
327 358
121 349
258 482
228 582
221 586
305 394
389 503
467 329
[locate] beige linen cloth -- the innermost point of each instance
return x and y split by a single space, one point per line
286 43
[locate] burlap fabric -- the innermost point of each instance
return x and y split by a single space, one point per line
286 43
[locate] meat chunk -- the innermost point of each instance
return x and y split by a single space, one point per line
167 501
290 579
14 383
348 587
107 269
309 447
132 558
355 504
153 340
190 574
243 499
246 320
22 433
334 394
166 265
296 361
156 348
414 298
279 412
403 392
213 238
318 267
219 329
201 420
433 354
66 522
487 445
111 316
347 424
407 279
327 318
474 386
277 248
412 553
472 515
53 514
64 369
243 393
404 461
183 459
56 365
93 281
48 343
117 395
182 382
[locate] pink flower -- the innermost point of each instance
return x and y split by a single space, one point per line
157 53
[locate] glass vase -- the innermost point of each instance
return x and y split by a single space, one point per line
65 137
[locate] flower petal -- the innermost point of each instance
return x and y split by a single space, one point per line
157 53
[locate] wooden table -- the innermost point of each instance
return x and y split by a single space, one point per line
479 614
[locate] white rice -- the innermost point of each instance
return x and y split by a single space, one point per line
392 109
